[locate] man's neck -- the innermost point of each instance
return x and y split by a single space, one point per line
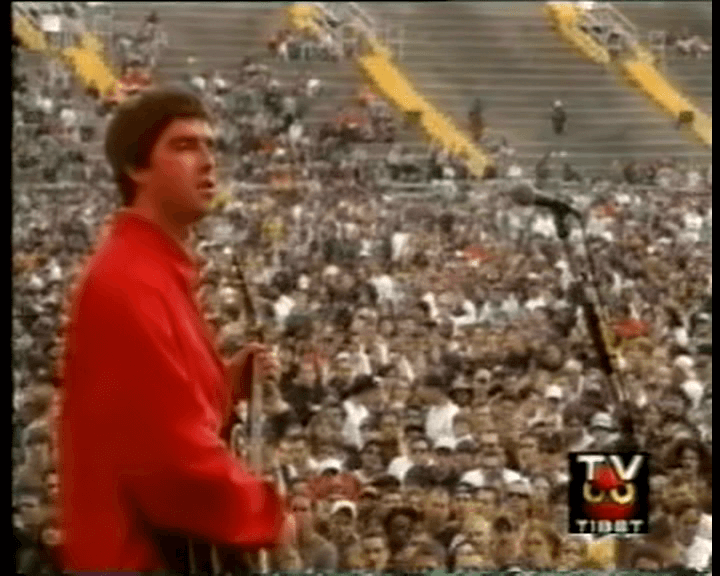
178 231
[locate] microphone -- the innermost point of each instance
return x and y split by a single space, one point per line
525 195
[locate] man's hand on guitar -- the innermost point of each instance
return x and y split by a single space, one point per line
258 357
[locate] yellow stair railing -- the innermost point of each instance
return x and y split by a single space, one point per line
636 69
85 59
388 80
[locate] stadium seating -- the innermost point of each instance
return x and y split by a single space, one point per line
453 52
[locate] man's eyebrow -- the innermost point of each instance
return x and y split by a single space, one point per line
209 140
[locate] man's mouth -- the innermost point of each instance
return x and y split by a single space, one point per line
208 188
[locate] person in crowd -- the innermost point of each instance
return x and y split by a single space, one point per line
175 131
540 546
558 117
442 410
475 117
376 551
399 523
316 552
343 531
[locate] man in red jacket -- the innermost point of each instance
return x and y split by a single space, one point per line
146 392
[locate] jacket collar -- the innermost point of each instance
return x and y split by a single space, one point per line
178 257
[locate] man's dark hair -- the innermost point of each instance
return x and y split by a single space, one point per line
138 124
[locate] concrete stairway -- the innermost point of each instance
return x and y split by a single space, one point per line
505 53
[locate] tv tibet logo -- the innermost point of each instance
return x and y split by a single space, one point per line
608 493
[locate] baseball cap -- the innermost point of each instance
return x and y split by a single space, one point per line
330 465
553 391
344 505
602 420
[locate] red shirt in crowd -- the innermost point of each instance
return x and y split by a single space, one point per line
144 401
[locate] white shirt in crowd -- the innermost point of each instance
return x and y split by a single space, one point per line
400 243
283 306
478 478
699 553
544 225
468 317
439 421
399 467
295 133
510 307
355 414
385 287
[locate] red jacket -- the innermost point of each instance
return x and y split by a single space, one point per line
144 401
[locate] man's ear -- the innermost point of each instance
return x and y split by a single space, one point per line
137 175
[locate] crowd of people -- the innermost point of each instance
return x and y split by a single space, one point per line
687 44
436 366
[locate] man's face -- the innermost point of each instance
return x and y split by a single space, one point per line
571 554
303 512
504 548
477 532
485 501
37 454
537 549
491 451
518 505
31 511
420 452
181 175
690 462
376 553
686 527
389 425
602 435
52 484
464 459
371 459
342 525
297 450
415 497
444 460
400 529
390 499
437 508
52 536
527 453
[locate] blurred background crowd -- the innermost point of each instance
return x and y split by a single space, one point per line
435 362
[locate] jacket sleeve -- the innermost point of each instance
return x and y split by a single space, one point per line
163 428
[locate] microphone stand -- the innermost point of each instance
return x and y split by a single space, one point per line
592 318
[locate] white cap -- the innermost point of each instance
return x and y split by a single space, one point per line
573 365
694 391
445 442
554 391
303 282
602 420
344 505
329 464
331 270
684 362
